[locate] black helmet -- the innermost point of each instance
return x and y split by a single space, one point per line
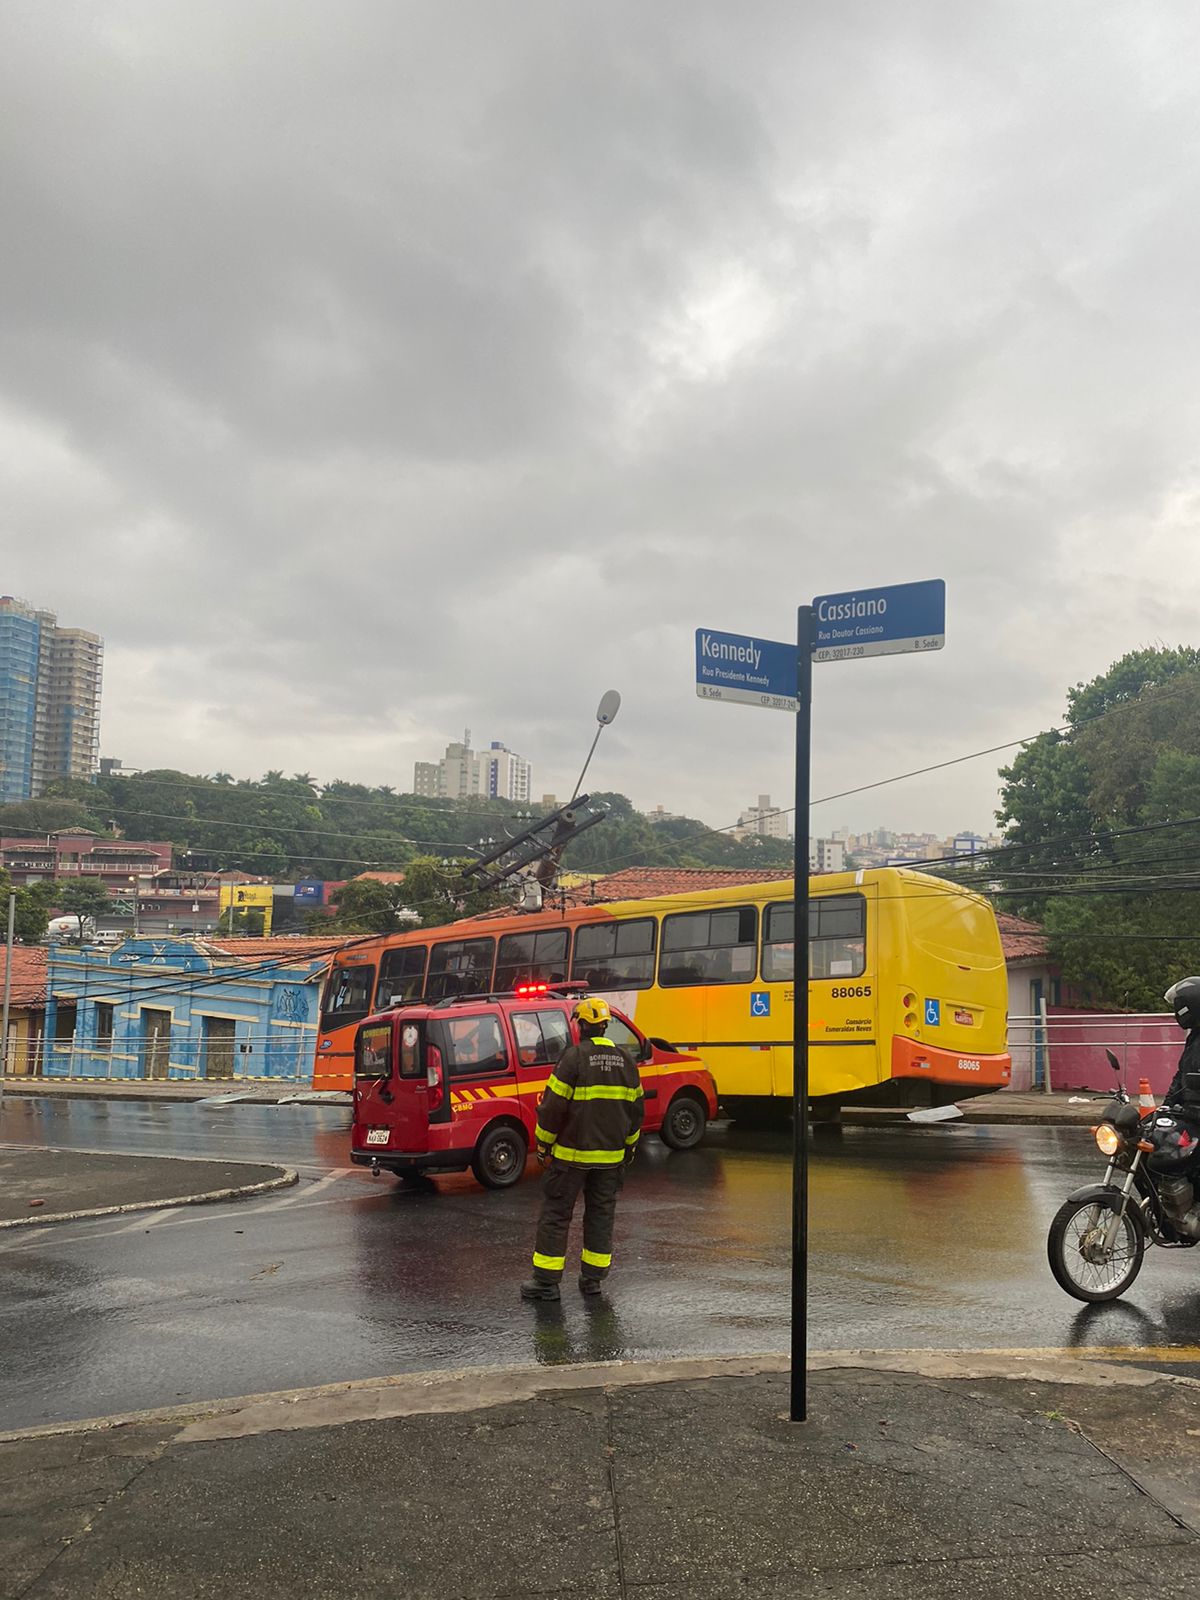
1184 1000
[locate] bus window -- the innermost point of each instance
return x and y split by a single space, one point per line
462 966
401 975
541 1036
531 958
615 955
837 933
718 946
347 996
471 1045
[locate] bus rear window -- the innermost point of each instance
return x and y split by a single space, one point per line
347 996
461 966
615 955
531 958
837 932
718 946
401 976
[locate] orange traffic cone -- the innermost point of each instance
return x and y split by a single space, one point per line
1146 1100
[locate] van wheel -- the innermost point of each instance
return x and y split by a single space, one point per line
499 1158
684 1124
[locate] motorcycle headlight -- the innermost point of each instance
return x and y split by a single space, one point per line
1108 1139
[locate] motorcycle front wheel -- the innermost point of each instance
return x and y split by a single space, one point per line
1079 1259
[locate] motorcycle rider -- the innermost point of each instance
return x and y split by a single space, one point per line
1183 1091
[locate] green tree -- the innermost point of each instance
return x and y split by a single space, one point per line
365 905
82 898
1101 841
441 893
32 911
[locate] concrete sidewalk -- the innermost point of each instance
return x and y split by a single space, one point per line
916 1475
41 1185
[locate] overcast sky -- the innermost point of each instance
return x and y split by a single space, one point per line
373 370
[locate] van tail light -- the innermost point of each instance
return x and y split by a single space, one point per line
435 1077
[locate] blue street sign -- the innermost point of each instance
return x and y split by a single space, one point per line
933 1013
748 670
760 1002
880 622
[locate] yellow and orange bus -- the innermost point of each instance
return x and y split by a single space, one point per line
907 985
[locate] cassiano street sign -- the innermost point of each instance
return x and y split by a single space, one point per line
746 669
880 622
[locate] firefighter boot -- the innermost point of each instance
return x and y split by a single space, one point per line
589 1285
540 1289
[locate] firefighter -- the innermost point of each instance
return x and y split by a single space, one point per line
589 1121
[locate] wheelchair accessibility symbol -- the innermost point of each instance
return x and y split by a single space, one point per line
933 1013
760 1003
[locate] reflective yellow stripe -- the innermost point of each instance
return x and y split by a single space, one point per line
549 1263
589 1158
608 1091
542 1137
595 1258
607 1043
560 1088
634 1137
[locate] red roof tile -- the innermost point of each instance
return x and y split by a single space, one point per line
380 877
645 883
28 974
277 949
1022 940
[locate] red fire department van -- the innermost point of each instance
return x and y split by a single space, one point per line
456 1083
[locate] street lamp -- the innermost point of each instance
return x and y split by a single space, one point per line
606 711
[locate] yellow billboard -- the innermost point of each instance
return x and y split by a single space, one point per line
246 908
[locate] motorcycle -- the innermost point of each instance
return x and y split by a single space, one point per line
1099 1235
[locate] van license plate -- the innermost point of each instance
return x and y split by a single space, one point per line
377 1135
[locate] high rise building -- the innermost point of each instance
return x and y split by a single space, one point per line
497 773
49 700
765 820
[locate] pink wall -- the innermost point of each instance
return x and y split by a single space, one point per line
1148 1045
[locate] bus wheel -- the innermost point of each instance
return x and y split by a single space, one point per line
499 1158
683 1126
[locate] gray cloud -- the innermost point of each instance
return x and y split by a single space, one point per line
374 371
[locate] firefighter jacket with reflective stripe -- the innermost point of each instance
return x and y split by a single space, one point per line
591 1111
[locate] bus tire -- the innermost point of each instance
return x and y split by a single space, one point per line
500 1155
685 1121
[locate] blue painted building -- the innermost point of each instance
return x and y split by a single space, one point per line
185 1008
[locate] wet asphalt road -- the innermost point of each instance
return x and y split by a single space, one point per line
927 1237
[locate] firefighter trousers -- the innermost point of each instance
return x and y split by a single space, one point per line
561 1188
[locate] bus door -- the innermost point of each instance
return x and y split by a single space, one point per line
348 998
843 992
540 1034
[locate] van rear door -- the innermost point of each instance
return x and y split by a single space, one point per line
390 1089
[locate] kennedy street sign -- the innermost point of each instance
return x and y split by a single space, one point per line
751 671
880 622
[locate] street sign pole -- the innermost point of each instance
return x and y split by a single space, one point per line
805 635
896 619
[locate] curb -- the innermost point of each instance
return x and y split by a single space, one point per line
479 1388
288 1176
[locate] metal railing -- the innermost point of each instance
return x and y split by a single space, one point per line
180 1057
